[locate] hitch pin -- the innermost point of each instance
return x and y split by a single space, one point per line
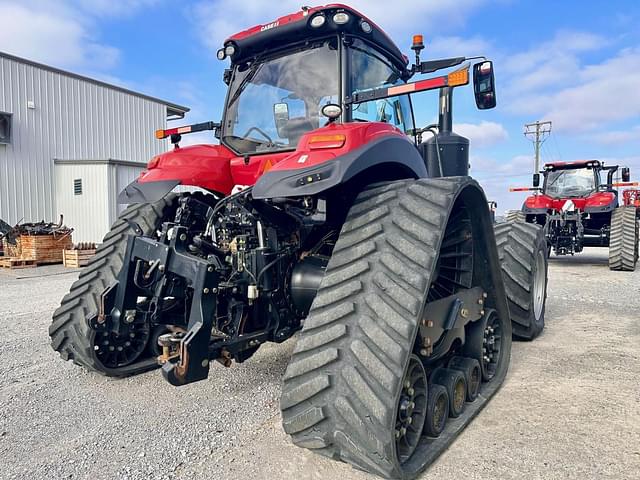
153 264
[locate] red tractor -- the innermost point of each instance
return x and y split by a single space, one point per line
578 209
321 211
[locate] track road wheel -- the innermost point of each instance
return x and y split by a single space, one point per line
470 367
515 216
484 343
412 408
70 333
523 258
623 239
456 385
437 410
345 386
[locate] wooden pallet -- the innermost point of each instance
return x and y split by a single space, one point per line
13 263
44 249
76 258
12 250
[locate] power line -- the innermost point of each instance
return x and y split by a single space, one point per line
538 131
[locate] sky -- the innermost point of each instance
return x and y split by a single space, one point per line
574 63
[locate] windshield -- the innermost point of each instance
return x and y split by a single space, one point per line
272 103
570 183
370 70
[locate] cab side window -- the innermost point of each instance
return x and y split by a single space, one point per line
370 70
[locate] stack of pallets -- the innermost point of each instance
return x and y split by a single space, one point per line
79 255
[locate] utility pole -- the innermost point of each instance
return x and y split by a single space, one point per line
539 131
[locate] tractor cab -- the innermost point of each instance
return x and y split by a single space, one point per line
327 82
329 64
571 180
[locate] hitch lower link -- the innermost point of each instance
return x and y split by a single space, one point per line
189 360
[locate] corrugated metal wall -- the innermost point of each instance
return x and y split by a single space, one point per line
91 212
71 119
88 213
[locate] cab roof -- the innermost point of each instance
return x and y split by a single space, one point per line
571 165
296 27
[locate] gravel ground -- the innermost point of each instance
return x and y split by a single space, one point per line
570 407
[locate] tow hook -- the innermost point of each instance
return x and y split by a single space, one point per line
170 343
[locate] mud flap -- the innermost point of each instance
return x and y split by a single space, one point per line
146 192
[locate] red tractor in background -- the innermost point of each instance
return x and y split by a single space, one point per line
321 211
578 209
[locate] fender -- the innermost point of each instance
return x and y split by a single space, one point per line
394 150
601 202
204 166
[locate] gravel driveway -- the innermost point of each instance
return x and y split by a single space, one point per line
570 407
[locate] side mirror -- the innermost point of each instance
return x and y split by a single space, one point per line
280 117
626 174
536 180
484 85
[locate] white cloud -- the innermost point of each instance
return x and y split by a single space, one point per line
552 82
445 46
111 8
218 20
605 92
63 33
496 177
58 39
484 134
618 136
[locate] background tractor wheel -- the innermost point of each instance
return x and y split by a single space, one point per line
523 258
515 216
70 333
345 387
623 239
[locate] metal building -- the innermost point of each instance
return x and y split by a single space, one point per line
60 131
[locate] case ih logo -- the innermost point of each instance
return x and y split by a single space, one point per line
269 26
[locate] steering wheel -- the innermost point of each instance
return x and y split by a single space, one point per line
261 132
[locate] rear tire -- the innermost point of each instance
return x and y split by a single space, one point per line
515 216
70 332
523 258
342 389
623 239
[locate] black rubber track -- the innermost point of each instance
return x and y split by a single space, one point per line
518 244
342 385
70 333
623 240
515 216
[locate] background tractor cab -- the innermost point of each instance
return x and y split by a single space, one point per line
320 84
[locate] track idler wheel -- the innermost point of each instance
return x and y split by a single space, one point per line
411 410
456 385
470 367
484 343
114 351
437 410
